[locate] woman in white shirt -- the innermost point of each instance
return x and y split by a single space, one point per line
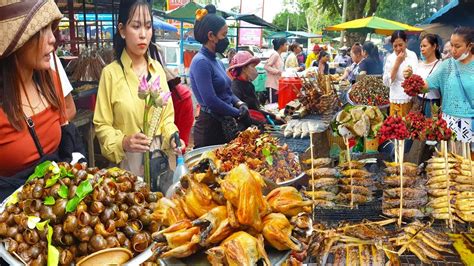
430 50
397 62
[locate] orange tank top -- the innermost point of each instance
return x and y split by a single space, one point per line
17 148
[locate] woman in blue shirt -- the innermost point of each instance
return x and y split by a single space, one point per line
455 80
209 81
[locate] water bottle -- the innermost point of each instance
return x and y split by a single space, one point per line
180 171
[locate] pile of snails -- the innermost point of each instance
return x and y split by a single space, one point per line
116 212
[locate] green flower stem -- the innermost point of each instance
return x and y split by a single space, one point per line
145 131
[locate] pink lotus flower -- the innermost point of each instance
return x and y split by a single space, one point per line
162 100
143 89
155 88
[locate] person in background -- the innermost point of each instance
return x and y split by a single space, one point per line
430 50
455 80
118 116
371 65
323 65
243 72
313 56
30 94
230 54
447 50
66 86
401 58
183 105
301 58
274 67
292 58
342 60
209 81
352 71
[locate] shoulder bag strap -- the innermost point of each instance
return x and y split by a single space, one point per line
458 75
424 94
31 129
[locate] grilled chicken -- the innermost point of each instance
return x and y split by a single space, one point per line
277 231
288 200
239 249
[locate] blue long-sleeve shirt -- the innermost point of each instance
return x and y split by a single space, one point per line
211 85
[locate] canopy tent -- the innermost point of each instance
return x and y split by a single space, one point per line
456 13
162 25
186 14
293 34
373 25
442 30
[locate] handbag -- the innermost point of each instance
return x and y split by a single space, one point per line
161 174
71 141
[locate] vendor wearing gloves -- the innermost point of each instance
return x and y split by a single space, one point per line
210 83
32 107
397 62
243 72
119 111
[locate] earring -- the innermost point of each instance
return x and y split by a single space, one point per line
123 37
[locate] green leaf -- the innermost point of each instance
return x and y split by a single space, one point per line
49 200
40 170
72 204
40 226
63 191
13 199
53 253
269 159
84 189
266 152
51 181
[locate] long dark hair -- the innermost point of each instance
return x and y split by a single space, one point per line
126 10
433 40
467 33
372 51
11 86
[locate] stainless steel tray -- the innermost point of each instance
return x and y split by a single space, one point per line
276 257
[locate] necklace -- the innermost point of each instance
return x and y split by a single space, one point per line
38 105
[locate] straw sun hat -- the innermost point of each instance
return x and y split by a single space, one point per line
22 19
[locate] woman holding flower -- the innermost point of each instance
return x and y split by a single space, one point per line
130 89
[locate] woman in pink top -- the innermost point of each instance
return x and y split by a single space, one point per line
274 68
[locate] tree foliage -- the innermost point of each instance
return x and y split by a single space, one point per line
295 21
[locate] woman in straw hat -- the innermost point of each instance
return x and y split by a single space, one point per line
119 111
243 72
31 100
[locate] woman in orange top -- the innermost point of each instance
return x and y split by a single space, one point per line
27 90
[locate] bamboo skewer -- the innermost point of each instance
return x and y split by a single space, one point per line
312 170
346 141
401 151
446 169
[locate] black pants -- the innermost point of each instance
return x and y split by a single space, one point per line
207 131
274 94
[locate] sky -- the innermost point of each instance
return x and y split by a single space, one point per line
271 8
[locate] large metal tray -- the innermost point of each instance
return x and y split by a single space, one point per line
192 158
276 258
